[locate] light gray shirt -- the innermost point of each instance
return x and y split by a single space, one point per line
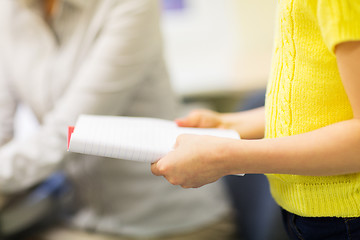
94 57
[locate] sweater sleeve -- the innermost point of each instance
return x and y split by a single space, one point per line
339 21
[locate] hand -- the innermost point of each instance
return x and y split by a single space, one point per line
249 124
201 118
194 162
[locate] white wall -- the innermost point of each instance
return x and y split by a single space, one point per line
217 46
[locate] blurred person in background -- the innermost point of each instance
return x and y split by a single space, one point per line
63 58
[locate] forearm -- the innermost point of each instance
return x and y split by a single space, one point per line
250 124
332 150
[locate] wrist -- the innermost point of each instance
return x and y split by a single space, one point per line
228 156
242 156
228 121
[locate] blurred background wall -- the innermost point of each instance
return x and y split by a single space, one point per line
218 51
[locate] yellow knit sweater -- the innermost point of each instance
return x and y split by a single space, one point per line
305 93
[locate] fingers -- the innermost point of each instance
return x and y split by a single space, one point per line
155 170
175 166
199 118
159 170
192 120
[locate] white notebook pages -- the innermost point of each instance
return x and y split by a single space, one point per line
131 138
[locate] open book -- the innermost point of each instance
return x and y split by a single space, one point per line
131 138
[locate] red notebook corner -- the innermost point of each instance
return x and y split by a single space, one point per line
70 131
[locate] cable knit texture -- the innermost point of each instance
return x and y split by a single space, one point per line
305 93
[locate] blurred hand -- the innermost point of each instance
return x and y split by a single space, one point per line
194 162
201 118
249 124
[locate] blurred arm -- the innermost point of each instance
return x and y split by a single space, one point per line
331 150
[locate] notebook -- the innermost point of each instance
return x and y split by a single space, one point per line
131 138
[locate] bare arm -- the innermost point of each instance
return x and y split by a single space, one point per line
332 150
